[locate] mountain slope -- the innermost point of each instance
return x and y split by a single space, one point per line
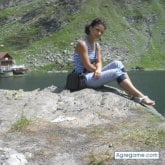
41 32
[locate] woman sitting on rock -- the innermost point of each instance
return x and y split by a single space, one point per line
87 59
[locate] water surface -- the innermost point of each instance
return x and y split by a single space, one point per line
151 83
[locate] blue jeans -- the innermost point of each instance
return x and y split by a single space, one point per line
113 71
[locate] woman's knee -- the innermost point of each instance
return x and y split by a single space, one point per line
121 78
118 64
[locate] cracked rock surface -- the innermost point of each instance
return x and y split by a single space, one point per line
75 128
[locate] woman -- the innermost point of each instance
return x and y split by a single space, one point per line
87 59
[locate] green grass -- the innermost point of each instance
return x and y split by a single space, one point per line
20 39
21 124
101 158
149 137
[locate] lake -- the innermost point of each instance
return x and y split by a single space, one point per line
151 83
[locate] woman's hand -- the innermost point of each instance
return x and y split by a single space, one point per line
97 74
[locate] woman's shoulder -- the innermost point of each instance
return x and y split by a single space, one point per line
81 43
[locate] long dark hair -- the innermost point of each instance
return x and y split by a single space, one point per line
93 23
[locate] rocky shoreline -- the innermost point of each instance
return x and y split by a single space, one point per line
55 126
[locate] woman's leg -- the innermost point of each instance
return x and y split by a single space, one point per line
106 76
127 86
109 73
114 65
116 71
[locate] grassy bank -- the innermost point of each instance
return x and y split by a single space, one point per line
136 27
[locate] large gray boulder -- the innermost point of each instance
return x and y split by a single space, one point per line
56 127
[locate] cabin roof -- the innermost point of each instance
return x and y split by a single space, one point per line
3 54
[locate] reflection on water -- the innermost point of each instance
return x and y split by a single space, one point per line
33 81
150 83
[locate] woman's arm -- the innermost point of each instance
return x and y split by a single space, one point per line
99 62
99 59
82 50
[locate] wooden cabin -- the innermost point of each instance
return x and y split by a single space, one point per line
5 59
8 66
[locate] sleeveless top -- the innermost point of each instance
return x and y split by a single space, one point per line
78 64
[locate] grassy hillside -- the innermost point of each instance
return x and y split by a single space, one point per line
36 30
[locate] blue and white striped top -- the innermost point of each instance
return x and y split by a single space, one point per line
78 64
